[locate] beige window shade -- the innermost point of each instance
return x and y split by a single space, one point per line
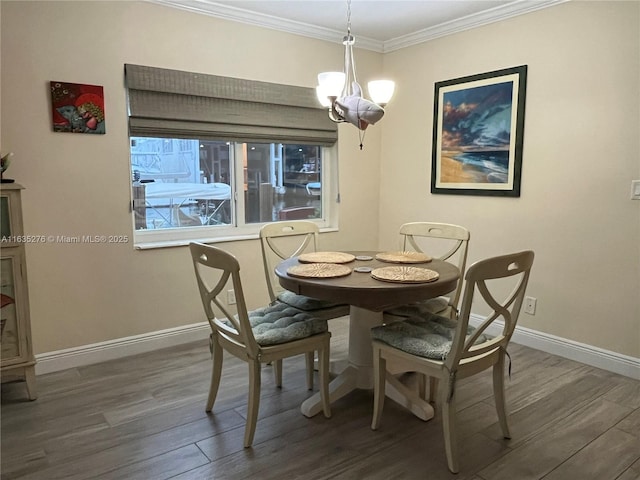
177 104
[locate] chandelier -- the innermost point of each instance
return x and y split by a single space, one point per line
342 94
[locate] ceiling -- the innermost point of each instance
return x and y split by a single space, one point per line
379 25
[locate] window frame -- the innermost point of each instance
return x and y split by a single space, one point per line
239 229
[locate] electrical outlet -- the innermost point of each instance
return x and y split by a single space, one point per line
530 305
231 297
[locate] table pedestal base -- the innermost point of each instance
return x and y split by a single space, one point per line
359 372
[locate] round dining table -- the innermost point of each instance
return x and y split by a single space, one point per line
368 298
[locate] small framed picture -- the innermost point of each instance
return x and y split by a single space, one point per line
77 108
478 134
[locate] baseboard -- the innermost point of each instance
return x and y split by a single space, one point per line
119 348
123 347
580 352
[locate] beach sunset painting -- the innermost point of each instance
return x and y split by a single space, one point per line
478 134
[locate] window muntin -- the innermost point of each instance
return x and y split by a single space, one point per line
241 186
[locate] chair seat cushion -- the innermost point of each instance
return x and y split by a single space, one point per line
281 323
429 336
433 305
309 304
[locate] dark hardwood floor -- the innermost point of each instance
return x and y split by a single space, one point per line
143 418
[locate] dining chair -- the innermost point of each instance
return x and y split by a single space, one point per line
260 336
280 241
450 350
445 242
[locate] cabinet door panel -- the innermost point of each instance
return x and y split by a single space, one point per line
11 335
5 217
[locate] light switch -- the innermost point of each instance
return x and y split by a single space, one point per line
635 189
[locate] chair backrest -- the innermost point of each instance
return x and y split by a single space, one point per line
478 345
443 241
282 240
214 267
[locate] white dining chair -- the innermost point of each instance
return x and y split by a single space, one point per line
445 242
280 241
449 350
265 335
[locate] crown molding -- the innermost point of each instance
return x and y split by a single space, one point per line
227 12
497 14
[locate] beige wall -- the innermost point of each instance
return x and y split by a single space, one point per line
79 184
581 151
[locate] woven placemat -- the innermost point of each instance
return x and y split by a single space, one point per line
319 270
405 275
326 257
403 257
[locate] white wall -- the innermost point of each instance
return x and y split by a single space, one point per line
581 151
80 184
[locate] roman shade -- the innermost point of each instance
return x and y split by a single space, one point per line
178 104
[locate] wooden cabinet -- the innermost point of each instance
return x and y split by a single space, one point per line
16 361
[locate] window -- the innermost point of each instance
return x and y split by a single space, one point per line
213 158
187 188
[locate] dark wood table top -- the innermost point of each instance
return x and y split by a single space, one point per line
362 290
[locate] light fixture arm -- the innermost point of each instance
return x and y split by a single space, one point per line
334 116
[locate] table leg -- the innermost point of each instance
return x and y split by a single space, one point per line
359 372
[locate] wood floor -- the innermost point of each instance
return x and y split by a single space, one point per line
143 418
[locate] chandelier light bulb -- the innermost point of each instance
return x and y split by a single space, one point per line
323 98
331 83
381 91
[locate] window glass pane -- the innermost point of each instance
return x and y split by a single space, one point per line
180 183
282 182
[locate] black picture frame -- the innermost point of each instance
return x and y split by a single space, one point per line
478 127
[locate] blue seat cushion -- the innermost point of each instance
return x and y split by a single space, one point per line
428 336
309 304
433 305
281 323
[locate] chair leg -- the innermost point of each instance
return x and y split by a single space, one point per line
379 380
433 389
449 426
323 359
422 386
254 401
498 394
309 359
277 372
216 371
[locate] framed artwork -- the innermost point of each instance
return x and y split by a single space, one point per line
77 108
478 134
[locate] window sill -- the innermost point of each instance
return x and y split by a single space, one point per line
208 240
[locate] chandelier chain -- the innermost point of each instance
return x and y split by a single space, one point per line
350 64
